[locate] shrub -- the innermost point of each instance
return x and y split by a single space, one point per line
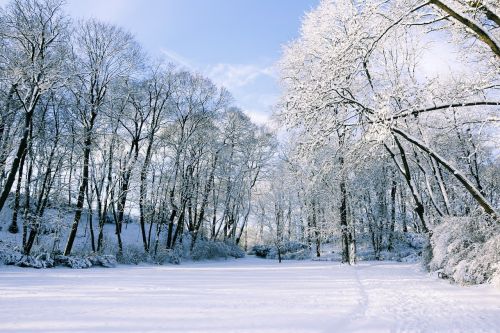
204 249
105 260
72 261
289 251
132 254
164 256
466 249
260 250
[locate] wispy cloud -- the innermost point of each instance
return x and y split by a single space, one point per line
231 76
178 59
237 75
244 81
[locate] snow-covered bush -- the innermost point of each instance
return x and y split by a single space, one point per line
12 255
105 260
234 250
132 254
412 239
204 249
467 249
166 256
289 251
9 254
72 261
260 250
41 261
303 254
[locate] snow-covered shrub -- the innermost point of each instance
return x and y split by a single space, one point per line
234 250
72 261
414 240
105 260
132 254
46 260
406 247
289 251
466 249
9 254
204 249
16 258
302 254
260 250
164 256
29 262
411 258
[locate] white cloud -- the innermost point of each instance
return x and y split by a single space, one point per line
245 81
237 75
231 76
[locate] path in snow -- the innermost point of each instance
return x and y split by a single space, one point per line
246 295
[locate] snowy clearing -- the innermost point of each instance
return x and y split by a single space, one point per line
245 295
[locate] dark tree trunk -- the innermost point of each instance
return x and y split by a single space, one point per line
405 171
23 144
343 218
142 195
13 227
82 190
392 225
474 192
171 227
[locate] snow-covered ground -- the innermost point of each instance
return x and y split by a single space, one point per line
244 295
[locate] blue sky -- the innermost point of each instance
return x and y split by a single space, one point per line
234 42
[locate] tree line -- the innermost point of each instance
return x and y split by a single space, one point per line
377 145
91 126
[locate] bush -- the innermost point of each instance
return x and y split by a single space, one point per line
167 256
260 250
133 254
72 262
414 240
204 249
289 251
108 261
9 254
466 249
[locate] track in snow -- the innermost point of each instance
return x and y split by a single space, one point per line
245 295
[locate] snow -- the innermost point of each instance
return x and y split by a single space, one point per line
243 295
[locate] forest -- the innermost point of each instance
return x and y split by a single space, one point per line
107 153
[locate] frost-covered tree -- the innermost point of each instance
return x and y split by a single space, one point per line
90 127
34 47
102 54
415 146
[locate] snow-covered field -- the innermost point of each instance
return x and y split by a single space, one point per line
244 295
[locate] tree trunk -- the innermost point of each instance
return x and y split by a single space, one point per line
82 190
23 144
13 227
476 194
405 171
142 194
394 185
343 217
